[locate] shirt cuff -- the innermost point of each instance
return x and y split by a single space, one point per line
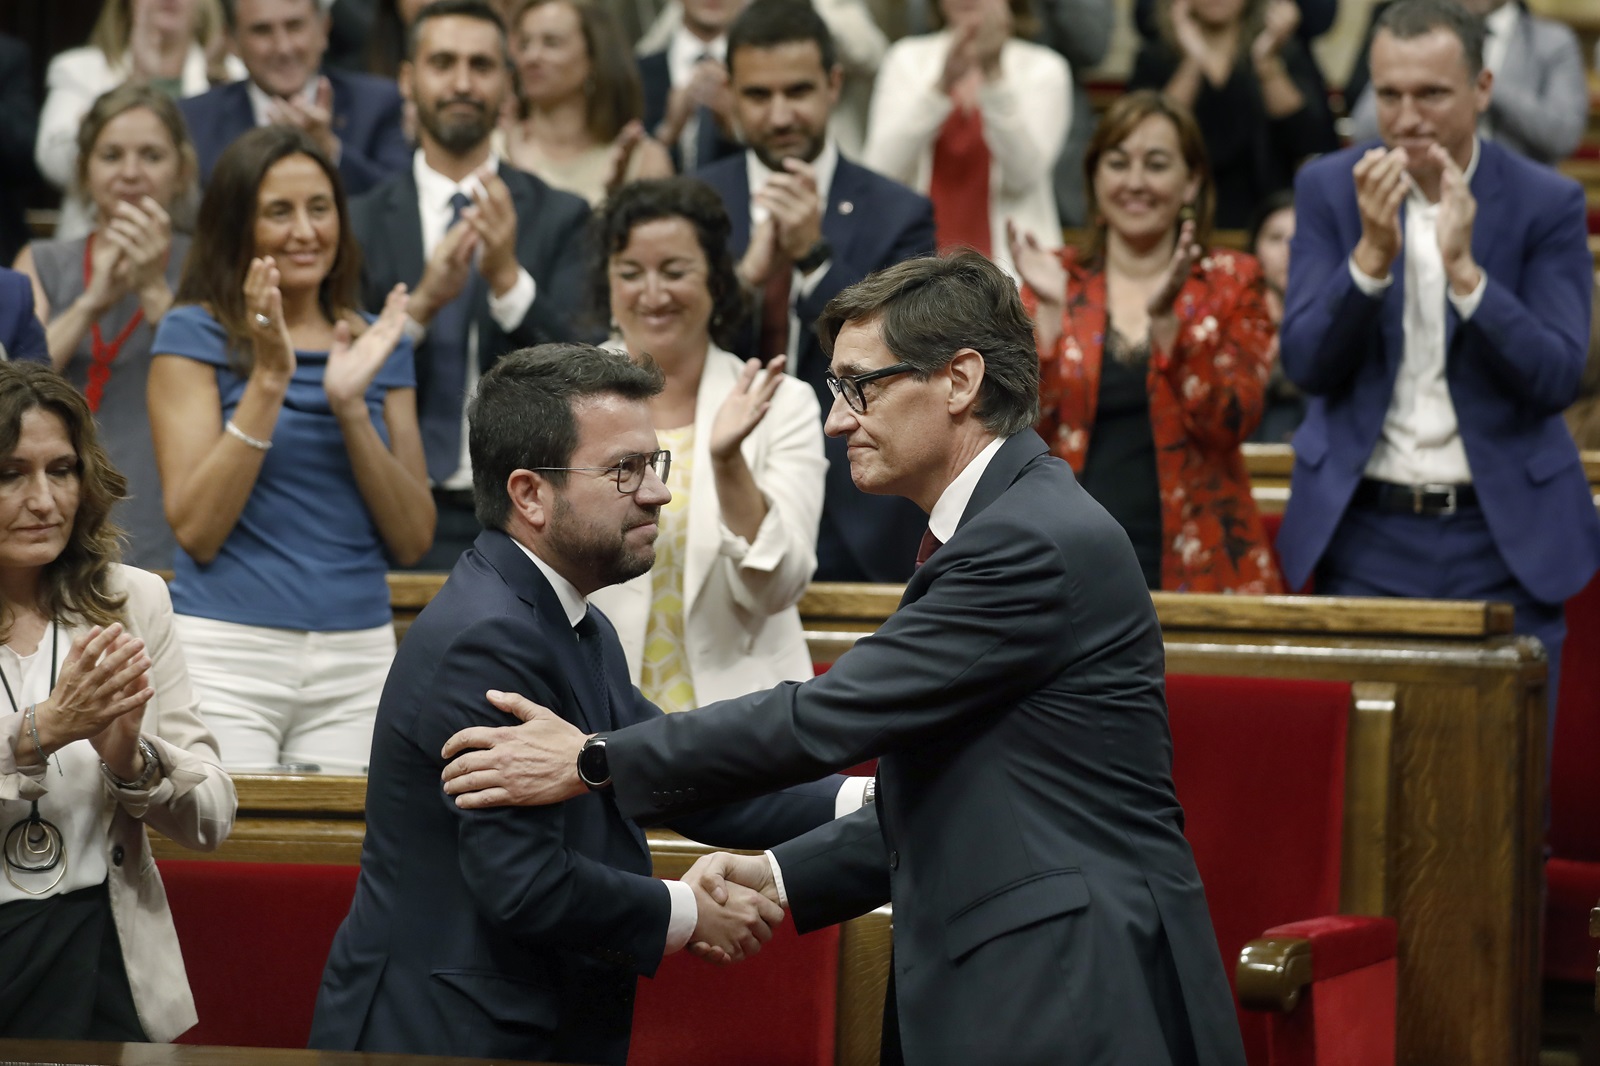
685 916
413 331
509 310
777 879
1367 283
1466 305
850 798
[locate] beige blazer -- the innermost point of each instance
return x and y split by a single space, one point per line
740 621
193 803
1025 118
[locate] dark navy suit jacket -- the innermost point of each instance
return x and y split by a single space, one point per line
513 932
550 247
871 223
1046 906
1512 368
20 331
366 119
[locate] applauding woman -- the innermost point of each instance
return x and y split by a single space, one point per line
99 741
103 295
1154 355
286 430
715 617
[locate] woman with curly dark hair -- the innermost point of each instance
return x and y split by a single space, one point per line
285 427
99 737
716 616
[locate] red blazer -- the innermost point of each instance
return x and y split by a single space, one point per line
1206 397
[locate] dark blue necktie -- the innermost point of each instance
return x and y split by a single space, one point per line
589 643
440 406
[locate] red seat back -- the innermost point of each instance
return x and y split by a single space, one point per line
1259 768
255 938
777 1009
1574 777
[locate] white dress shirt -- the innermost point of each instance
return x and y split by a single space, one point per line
1421 441
434 191
1501 24
942 522
759 174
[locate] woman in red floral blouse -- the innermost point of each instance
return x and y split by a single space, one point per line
1154 355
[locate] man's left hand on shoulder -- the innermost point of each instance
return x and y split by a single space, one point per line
528 765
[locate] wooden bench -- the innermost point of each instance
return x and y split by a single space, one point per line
1463 794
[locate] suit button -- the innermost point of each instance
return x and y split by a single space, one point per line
693 793
894 860
116 855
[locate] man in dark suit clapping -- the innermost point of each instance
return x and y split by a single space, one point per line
493 256
1046 906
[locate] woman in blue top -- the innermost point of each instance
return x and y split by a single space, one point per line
285 428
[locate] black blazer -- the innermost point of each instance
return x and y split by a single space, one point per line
366 118
551 243
872 223
514 932
1046 905
19 128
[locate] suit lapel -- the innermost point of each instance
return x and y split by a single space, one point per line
1016 452
737 200
529 583
845 199
703 540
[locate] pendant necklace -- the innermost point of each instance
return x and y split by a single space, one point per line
34 845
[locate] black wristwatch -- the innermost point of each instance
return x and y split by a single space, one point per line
815 256
594 768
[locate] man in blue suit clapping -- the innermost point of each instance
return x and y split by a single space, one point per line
1438 317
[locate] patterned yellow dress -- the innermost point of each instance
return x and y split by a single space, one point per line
664 675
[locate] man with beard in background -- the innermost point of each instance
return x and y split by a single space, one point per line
480 245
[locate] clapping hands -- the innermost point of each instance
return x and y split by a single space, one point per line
739 906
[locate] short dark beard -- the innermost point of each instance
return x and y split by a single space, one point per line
456 137
775 163
607 562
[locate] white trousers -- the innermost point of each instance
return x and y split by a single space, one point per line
287 696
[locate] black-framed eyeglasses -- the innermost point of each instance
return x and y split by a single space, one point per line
629 470
850 387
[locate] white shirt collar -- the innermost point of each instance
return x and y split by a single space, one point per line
824 165
685 50
435 190
261 100
952 504
572 601
1503 19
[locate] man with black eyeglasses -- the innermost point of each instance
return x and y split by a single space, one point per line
517 932
1046 906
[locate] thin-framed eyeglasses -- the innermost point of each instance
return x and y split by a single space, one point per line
629 470
849 387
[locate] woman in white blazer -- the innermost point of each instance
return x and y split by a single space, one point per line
1021 90
100 739
716 616
161 43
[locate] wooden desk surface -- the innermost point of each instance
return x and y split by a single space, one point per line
93 1053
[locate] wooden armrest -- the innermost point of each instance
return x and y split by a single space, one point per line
1275 969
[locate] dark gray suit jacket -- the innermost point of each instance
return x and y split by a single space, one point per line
1046 905
515 932
550 247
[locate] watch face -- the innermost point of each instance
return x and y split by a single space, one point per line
593 766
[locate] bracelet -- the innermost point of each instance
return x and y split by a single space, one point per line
235 431
152 767
33 729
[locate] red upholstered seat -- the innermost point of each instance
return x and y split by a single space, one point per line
1573 870
255 937
777 1009
1259 766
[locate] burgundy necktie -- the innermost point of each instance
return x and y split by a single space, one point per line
775 308
929 545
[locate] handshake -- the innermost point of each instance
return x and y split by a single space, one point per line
737 904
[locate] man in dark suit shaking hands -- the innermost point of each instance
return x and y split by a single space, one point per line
521 932
1047 908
